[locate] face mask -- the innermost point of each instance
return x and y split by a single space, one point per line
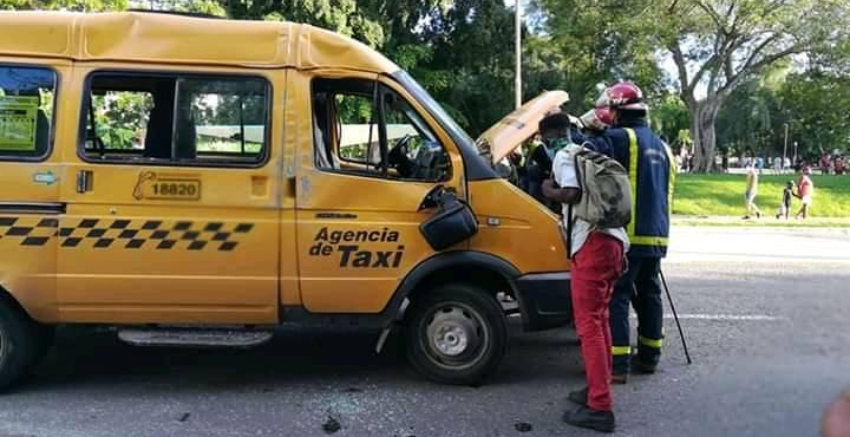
557 143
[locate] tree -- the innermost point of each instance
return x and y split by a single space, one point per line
342 16
592 42
753 121
816 103
669 118
69 5
717 45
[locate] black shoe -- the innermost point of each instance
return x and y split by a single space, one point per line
578 397
584 417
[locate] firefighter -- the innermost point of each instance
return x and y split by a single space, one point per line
651 170
596 121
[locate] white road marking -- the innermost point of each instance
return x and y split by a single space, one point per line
734 317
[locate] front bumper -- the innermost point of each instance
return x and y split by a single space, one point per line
544 300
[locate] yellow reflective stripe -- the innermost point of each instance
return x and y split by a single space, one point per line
650 342
621 350
641 240
633 173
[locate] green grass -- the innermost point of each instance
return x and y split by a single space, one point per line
723 195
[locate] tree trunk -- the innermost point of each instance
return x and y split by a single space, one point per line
703 118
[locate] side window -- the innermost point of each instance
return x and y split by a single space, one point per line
364 128
26 111
176 119
358 136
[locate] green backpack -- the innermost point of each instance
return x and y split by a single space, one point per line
606 194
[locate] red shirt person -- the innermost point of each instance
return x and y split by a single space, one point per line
805 192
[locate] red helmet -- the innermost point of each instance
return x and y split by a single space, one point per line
598 118
624 95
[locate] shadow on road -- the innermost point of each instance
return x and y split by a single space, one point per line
84 357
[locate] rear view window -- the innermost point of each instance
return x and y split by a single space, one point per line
169 118
26 111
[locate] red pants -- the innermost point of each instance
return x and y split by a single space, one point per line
595 269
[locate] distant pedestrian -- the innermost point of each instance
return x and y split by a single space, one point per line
805 192
840 165
825 163
787 196
751 192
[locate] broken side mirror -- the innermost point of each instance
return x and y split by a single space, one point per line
434 198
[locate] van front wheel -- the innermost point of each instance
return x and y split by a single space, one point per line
18 343
456 334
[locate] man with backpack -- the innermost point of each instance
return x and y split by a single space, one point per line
595 196
652 171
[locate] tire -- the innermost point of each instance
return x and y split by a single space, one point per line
456 335
19 343
45 335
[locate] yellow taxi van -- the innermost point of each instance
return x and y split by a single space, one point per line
200 182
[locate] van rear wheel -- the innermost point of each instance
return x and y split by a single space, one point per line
456 334
19 343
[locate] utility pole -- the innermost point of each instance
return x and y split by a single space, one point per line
518 78
795 154
784 150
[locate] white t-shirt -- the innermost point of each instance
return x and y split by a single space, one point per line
752 180
564 170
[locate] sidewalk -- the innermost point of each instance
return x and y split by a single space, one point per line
760 244
764 221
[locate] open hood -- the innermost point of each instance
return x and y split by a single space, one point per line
506 135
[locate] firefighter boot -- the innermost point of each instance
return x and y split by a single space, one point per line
648 356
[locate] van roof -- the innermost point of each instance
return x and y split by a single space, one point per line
175 39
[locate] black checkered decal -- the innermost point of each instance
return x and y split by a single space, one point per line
125 234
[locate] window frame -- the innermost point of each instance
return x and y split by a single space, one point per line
382 135
51 137
85 103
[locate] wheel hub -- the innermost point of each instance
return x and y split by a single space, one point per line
452 333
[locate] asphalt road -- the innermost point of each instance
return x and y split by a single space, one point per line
765 314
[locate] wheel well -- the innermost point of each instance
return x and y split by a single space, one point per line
10 299
482 277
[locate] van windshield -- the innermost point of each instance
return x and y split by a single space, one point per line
477 168
431 105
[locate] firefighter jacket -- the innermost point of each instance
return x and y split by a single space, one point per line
652 172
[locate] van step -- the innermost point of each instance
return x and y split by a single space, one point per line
188 337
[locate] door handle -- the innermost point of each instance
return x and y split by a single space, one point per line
85 180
